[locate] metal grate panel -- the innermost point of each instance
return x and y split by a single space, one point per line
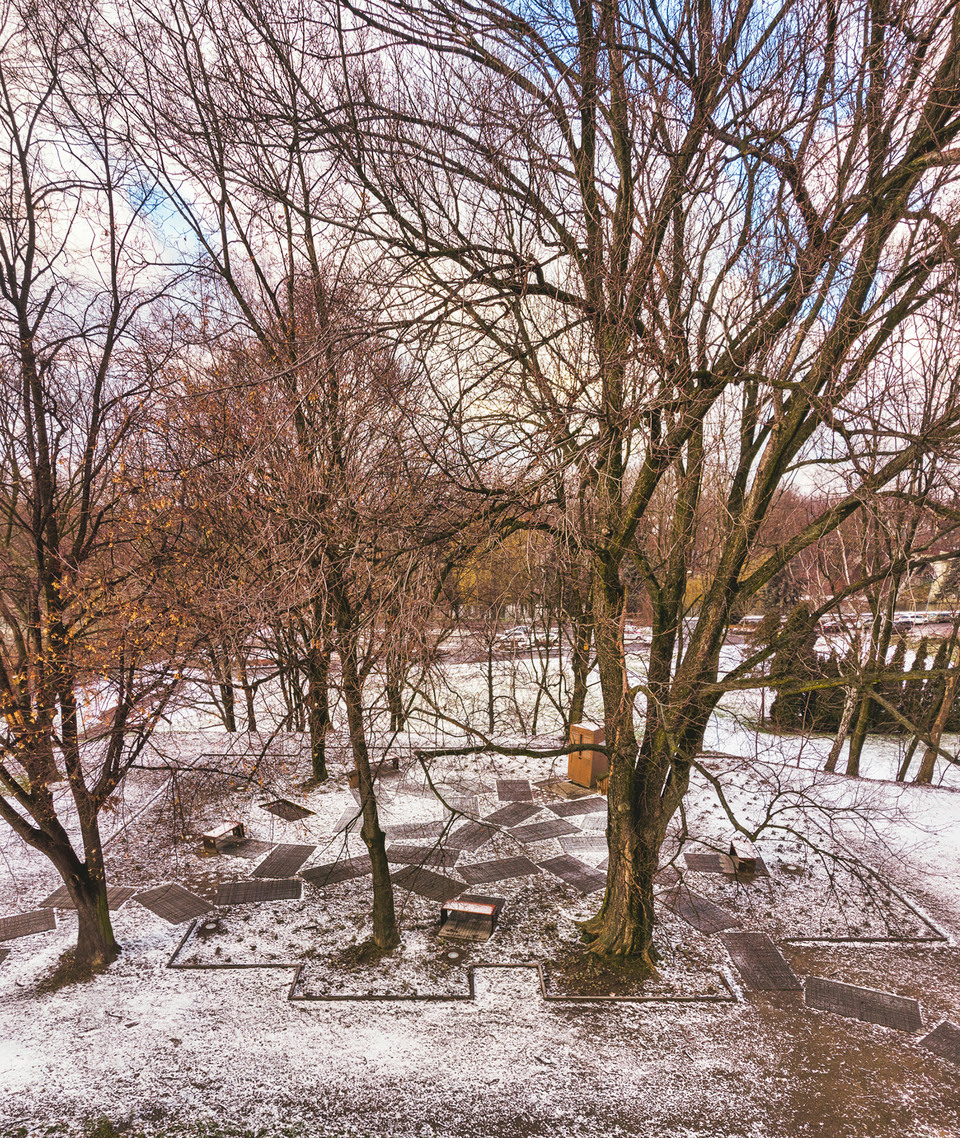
944 1041
576 806
497 870
288 811
345 870
584 843
698 911
423 855
173 903
575 873
512 815
865 1004
431 829
61 899
266 889
514 790
707 862
759 962
469 837
541 831
426 883
284 861
26 924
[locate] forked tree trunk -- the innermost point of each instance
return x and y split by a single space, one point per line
928 762
86 882
849 706
624 925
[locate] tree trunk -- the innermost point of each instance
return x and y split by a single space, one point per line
491 718
394 693
928 762
386 935
318 709
849 706
222 672
86 881
624 925
248 693
580 663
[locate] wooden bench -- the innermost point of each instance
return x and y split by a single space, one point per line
469 918
231 828
743 854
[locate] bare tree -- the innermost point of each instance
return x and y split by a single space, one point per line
85 646
661 252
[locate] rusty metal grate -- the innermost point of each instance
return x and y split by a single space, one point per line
865 1004
173 903
584 843
541 831
423 855
759 962
582 877
514 790
698 911
348 869
944 1041
116 895
265 889
26 924
469 837
426 883
578 806
284 861
414 830
513 815
497 870
707 862
288 811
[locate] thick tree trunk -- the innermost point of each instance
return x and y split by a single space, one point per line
86 881
624 926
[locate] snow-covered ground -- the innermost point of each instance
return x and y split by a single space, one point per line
146 1049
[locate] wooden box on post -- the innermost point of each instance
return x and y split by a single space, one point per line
584 767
